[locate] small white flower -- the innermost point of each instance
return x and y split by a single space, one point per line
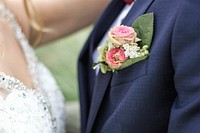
131 51
126 46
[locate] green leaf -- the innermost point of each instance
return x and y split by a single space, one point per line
132 61
143 25
104 68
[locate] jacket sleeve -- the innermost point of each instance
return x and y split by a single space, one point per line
185 53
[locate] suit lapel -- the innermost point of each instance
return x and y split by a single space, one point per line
102 80
105 22
139 8
101 27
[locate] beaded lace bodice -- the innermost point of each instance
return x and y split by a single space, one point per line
25 110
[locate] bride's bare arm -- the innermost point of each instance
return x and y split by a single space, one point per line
62 16
67 16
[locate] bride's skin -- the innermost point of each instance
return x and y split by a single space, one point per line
12 60
61 16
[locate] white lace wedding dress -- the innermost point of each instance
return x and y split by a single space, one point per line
26 110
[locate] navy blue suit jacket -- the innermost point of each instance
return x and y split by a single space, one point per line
158 95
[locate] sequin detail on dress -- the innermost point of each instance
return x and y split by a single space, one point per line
38 110
23 107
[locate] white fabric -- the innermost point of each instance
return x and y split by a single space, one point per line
23 110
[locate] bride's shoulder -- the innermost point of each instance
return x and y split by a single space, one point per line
18 10
13 45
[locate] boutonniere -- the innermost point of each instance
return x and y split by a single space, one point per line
126 45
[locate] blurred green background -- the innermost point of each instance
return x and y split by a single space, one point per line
61 58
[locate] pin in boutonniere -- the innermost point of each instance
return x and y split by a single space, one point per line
126 45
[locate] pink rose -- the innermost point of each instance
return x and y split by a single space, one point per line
115 58
120 35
